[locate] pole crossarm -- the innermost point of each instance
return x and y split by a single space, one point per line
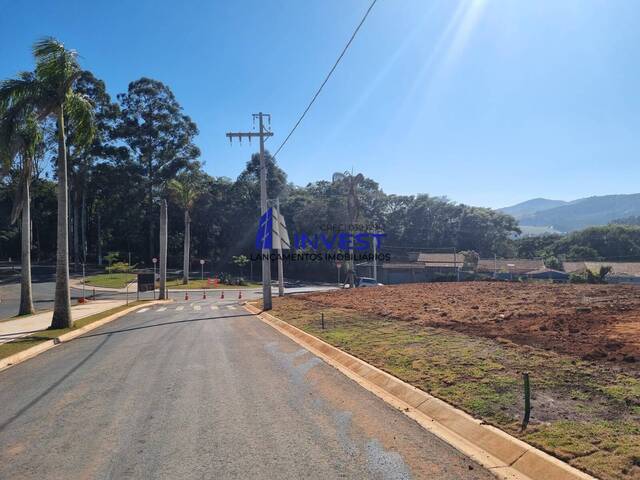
249 135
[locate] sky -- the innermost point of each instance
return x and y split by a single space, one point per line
486 102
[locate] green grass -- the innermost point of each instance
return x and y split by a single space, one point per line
20 344
110 280
585 413
202 284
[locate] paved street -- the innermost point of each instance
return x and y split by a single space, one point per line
203 390
44 287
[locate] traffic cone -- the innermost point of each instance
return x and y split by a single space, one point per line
186 295
204 295
222 295
239 293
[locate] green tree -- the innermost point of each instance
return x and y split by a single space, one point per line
240 261
20 137
185 189
49 91
160 140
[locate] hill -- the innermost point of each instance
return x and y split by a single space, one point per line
531 206
578 214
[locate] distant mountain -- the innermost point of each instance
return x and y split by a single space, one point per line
578 214
532 206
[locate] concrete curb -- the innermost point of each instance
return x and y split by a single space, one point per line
504 455
20 357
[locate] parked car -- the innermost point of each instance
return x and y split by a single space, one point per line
367 282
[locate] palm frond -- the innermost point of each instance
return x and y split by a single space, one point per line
56 65
79 113
15 90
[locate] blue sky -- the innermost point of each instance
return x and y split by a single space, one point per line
489 102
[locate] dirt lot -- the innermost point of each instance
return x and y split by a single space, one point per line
468 343
591 322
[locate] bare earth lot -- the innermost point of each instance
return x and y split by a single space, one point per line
468 343
588 321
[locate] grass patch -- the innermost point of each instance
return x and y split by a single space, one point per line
585 413
110 280
198 284
20 344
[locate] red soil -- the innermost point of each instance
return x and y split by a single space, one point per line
593 322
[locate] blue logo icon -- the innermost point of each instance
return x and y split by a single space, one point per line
264 236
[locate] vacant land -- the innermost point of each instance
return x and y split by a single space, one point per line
589 321
469 343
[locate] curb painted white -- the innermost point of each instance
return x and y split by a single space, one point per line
505 456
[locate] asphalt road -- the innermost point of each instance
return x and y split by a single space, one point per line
199 390
43 287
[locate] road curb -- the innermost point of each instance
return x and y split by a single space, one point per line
504 455
20 357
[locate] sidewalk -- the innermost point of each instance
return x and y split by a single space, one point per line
12 329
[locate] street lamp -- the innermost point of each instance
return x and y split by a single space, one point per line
154 260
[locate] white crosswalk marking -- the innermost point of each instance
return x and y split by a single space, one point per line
214 307
142 310
162 309
181 307
196 307
231 307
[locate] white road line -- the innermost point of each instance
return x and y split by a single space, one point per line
162 309
214 307
181 307
142 310
196 307
231 307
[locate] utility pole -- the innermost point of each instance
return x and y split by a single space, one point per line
280 267
163 250
262 134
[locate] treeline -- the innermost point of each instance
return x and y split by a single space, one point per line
142 150
609 242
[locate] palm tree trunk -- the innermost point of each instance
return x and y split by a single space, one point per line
76 230
83 224
26 298
187 241
62 302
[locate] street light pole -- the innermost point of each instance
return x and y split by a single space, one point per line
280 266
154 260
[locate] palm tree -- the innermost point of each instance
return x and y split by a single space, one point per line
50 92
21 137
185 190
350 183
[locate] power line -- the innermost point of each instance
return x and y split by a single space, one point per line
344 50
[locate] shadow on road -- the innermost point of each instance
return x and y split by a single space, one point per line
175 322
20 412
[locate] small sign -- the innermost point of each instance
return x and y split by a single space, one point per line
338 264
201 262
146 282
154 260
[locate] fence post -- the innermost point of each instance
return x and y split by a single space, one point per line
322 318
527 400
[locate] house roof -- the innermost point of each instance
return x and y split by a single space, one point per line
450 260
548 271
626 269
509 265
